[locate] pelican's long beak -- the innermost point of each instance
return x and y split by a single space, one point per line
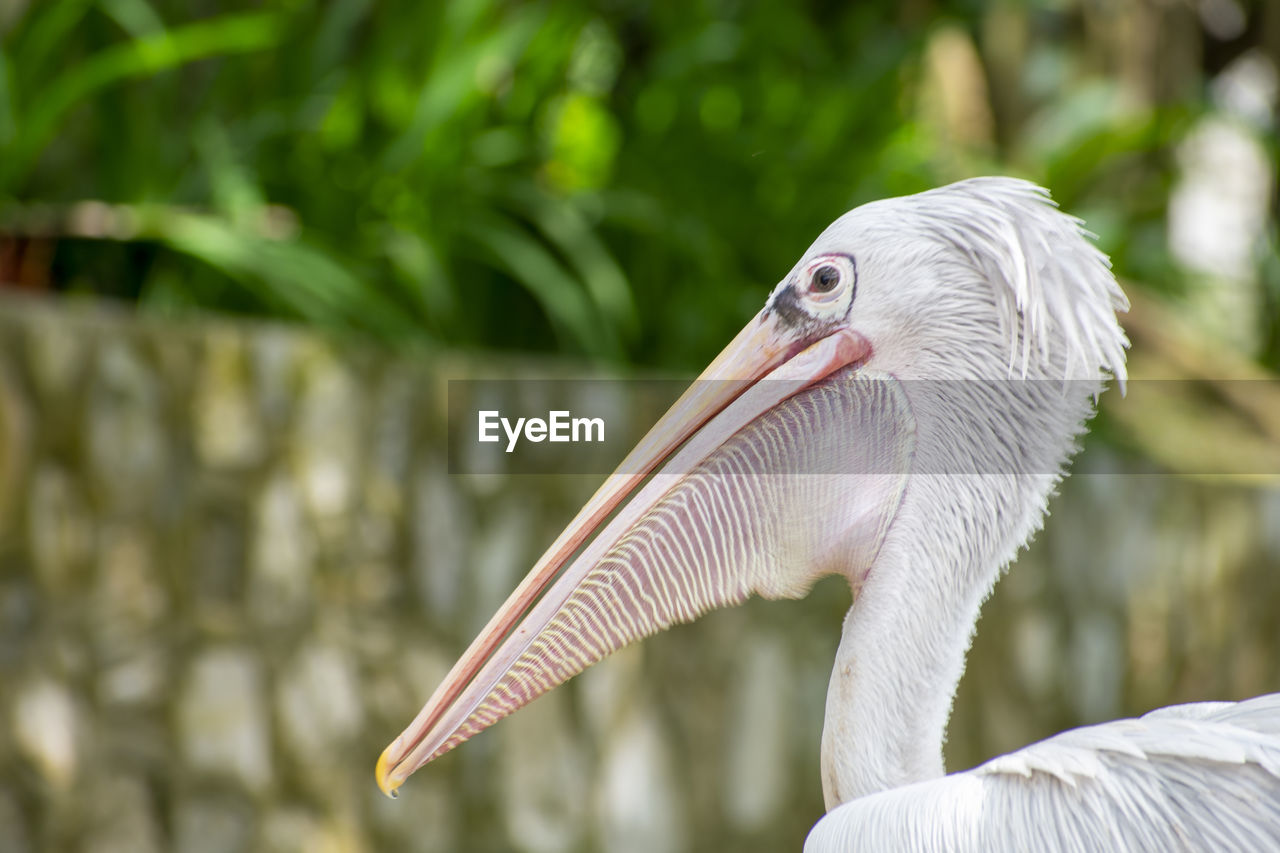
526 648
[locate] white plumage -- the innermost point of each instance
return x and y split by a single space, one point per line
1193 777
1189 777
941 355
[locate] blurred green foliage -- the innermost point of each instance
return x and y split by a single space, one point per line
618 180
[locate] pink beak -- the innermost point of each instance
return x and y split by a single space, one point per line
525 649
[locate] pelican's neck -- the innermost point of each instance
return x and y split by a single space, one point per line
963 517
900 658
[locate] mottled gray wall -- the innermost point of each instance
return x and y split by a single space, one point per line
233 564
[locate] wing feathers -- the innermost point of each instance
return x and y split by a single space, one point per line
1204 776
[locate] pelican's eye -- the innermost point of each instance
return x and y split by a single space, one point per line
824 280
829 278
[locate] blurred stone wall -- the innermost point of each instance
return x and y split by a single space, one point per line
233 565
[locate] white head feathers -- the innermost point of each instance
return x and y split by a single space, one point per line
1052 282
932 268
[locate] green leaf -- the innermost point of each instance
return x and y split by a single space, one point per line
135 17
569 231
142 57
453 80
46 33
8 127
558 293
304 280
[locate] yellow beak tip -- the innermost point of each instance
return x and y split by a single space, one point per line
383 773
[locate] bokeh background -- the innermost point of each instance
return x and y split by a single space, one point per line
243 247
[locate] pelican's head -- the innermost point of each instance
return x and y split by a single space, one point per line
984 279
981 279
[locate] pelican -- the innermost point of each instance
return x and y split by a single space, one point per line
898 413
